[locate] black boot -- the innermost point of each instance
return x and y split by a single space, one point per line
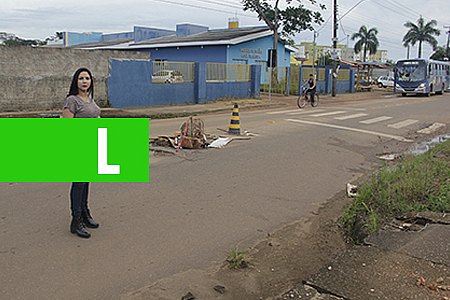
88 220
77 226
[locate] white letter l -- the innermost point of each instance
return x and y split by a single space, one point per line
103 167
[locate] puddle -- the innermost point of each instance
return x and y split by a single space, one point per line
428 145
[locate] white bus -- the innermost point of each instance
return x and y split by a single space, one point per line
422 76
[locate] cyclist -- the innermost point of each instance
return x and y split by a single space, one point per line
312 86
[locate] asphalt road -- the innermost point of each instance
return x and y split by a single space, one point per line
200 204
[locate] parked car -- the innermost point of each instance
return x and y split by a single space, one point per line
385 81
167 76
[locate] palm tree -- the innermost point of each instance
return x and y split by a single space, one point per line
421 32
441 53
367 40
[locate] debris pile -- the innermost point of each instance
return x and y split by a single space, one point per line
192 135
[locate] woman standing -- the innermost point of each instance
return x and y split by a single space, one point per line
80 104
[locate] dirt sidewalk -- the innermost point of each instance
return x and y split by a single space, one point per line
220 106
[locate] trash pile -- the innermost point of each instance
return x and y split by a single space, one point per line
192 135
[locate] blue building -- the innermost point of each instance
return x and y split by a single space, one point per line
195 43
139 33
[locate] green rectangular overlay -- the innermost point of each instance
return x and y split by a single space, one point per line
74 150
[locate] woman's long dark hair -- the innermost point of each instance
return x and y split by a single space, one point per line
74 85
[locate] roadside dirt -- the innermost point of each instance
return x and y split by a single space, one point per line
276 264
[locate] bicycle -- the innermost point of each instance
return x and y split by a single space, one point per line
303 99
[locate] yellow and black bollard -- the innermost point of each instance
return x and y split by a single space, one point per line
235 126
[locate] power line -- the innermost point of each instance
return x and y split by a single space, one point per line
342 26
220 3
361 19
415 13
392 10
324 24
352 8
202 7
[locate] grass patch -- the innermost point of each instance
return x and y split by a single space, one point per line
415 184
237 259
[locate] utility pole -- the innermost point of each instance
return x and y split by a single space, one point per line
273 54
335 63
314 48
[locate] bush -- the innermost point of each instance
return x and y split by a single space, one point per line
416 184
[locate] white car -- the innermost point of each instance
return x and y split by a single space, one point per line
385 81
167 76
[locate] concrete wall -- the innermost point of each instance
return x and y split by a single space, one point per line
217 90
130 85
39 78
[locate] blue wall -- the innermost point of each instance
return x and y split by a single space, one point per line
256 52
217 90
252 53
129 85
216 54
189 29
118 36
75 38
145 33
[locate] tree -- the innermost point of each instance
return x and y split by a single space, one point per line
366 40
324 60
441 53
420 33
21 42
288 21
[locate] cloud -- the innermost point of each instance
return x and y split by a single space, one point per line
42 18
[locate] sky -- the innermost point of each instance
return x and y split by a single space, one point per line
38 19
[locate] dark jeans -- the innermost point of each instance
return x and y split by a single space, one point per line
312 93
79 198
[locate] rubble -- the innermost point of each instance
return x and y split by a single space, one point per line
192 135
352 190
389 157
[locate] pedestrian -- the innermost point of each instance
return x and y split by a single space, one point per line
80 104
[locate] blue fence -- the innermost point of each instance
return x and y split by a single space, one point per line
324 77
130 85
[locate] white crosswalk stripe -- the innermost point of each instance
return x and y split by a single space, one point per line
354 116
375 120
329 113
395 137
303 112
403 123
281 112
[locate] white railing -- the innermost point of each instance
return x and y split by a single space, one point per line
220 72
172 72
